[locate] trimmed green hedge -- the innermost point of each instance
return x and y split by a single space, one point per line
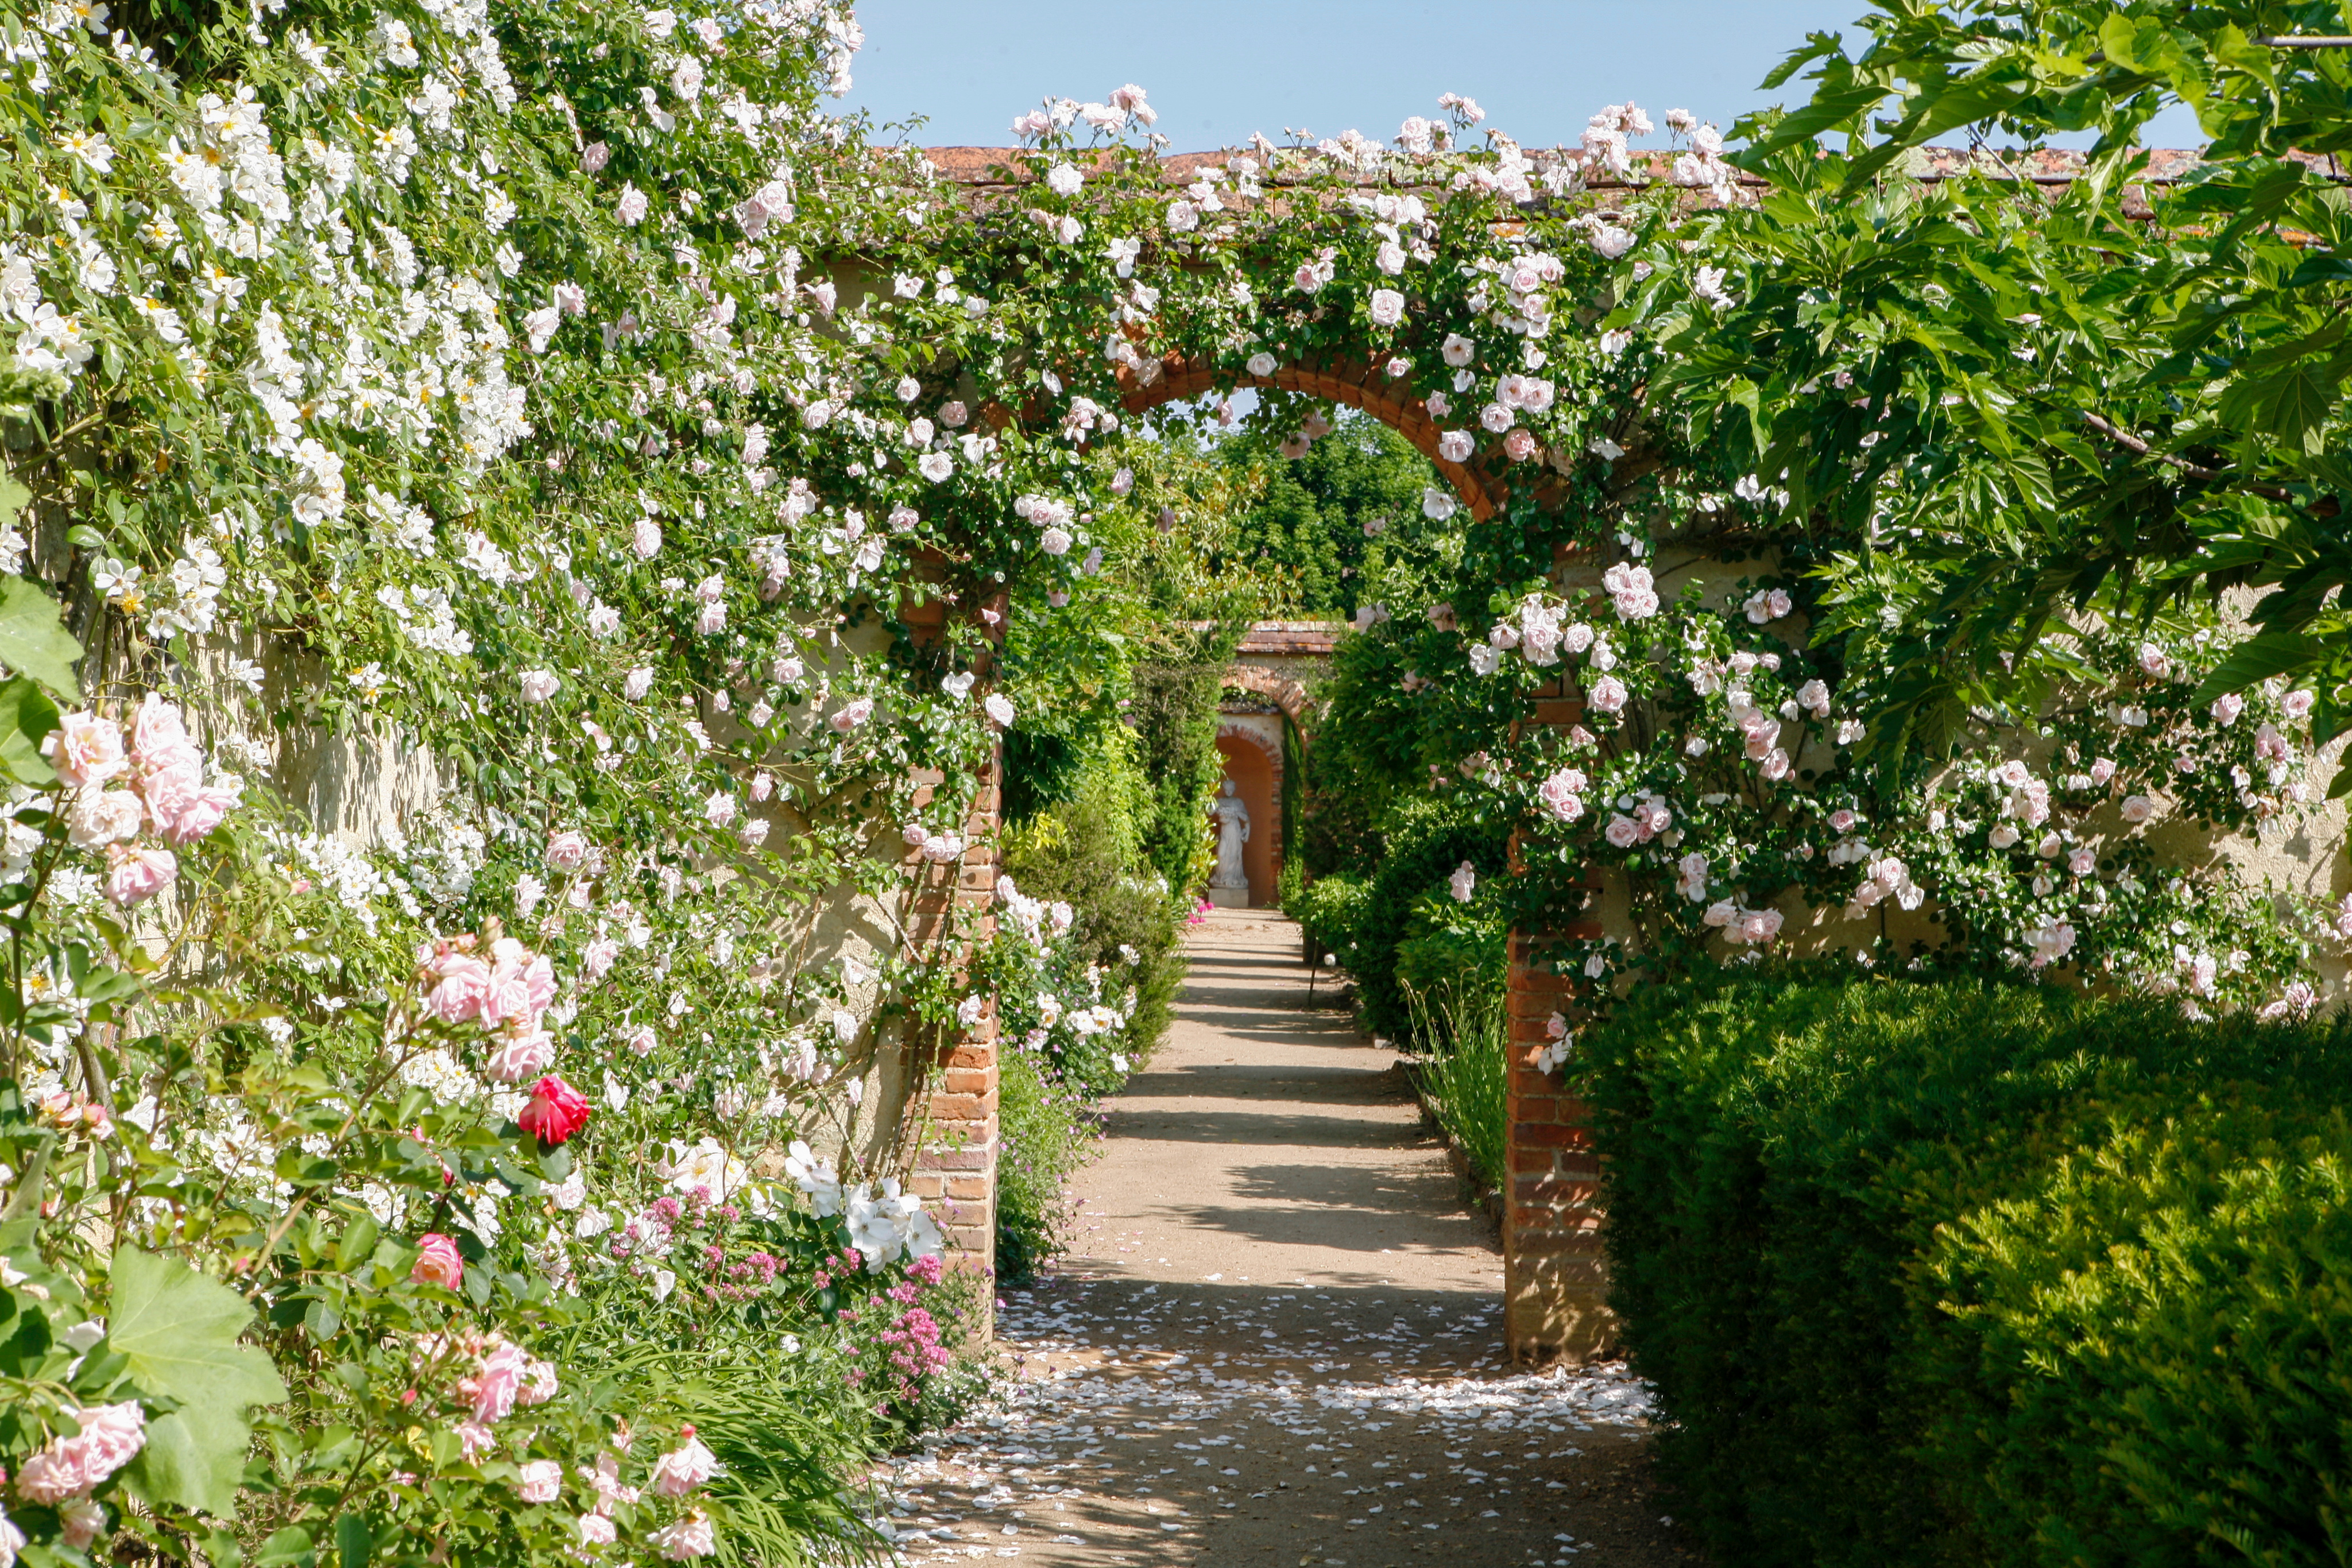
1941 1275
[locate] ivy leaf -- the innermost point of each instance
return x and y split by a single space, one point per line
34 640
179 1331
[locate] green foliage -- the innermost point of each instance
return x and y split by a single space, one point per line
1944 1274
1365 920
1465 1070
1462 949
1341 525
1048 1134
179 1333
1174 713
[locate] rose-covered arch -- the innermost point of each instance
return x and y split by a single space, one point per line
1360 384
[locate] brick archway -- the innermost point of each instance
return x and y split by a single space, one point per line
1360 384
1283 692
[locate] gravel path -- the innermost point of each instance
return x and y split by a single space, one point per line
1277 1337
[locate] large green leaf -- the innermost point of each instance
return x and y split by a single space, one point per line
34 640
26 717
179 1331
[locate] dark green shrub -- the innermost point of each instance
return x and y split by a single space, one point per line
1959 1275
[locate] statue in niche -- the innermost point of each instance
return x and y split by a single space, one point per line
1232 832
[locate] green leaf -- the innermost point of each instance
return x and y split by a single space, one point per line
34 640
13 496
180 1332
2259 658
286 1549
27 716
354 1541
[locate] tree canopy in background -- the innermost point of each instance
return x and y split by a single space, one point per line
1987 407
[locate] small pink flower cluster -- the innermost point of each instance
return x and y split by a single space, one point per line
1745 927
507 994
915 1347
110 1439
167 792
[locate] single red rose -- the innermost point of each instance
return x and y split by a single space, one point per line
556 1111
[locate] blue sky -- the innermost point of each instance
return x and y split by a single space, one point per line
1219 69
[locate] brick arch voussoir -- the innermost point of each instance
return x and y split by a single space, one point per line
1358 384
1286 694
1273 754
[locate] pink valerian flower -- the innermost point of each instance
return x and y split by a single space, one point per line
684 1467
540 1480
110 1439
687 1538
85 750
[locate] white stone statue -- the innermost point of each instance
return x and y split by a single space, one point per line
1232 832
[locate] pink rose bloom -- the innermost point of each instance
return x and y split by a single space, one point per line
159 738
2081 863
81 1521
556 1111
199 814
1306 279
99 818
464 981
1519 445
541 1480
684 1467
599 957
85 750
689 1537
474 1439
1842 821
438 1263
2296 706
852 714
2101 770
1759 925
565 851
539 1384
518 1059
1776 765
1608 694
641 1042
2138 807
110 1439
596 1530
521 985
493 1389
2226 708
133 876
1559 797
1623 832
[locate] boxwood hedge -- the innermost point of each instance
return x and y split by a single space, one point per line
1951 1274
